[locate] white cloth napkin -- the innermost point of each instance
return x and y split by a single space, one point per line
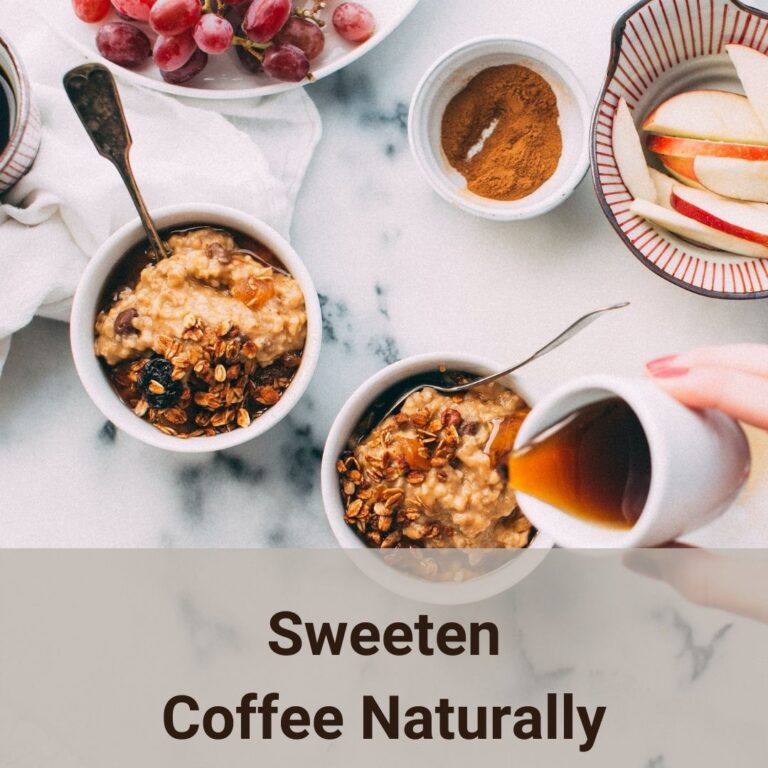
55 218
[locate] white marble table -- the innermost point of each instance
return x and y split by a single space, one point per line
400 272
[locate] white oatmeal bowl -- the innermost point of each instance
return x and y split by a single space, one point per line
147 327
488 566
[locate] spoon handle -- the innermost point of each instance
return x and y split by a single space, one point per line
92 90
567 334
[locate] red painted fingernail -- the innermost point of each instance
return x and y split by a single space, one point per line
660 362
669 372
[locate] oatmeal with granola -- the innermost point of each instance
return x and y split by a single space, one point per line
433 474
205 340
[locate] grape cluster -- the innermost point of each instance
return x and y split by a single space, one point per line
277 37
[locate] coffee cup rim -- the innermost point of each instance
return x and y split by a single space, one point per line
19 82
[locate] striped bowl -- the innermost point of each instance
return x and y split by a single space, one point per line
17 157
659 48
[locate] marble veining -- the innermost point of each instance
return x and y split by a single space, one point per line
208 637
699 654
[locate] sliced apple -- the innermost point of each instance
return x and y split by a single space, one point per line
752 69
673 145
695 231
681 168
748 221
664 185
727 176
629 155
713 115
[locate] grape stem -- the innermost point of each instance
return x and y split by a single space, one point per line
312 13
255 49
207 6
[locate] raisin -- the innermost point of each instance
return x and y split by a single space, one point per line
157 385
124 322
451 417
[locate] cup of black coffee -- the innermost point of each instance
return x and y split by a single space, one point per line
19 120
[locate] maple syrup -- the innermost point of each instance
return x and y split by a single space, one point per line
594 464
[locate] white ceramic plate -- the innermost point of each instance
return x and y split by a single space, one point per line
224 77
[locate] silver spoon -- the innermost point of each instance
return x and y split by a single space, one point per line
431 380
91 89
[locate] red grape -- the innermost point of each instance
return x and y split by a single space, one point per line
304 34
173 52
172 17
286 62
194 66
265 19
354 22
234 14
123 44
134 9
91 10
248 60
213 34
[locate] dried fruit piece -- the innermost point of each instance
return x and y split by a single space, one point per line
253 292
124 322
416 456
451 417
157 384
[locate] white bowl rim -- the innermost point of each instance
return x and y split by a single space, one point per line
89 369
515 210
234 94
440 593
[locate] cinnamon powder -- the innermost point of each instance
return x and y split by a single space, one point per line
501 132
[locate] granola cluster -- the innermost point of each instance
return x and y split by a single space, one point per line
206 340
432 475
224 389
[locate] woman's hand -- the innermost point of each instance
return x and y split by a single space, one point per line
733 379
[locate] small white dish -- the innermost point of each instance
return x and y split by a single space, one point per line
85 309
699 462
449 75
374 562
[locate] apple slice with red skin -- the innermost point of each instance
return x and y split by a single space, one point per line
664 185
673 145
748 221
681 168
752 69
629 155
708 115
695 231
728 176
